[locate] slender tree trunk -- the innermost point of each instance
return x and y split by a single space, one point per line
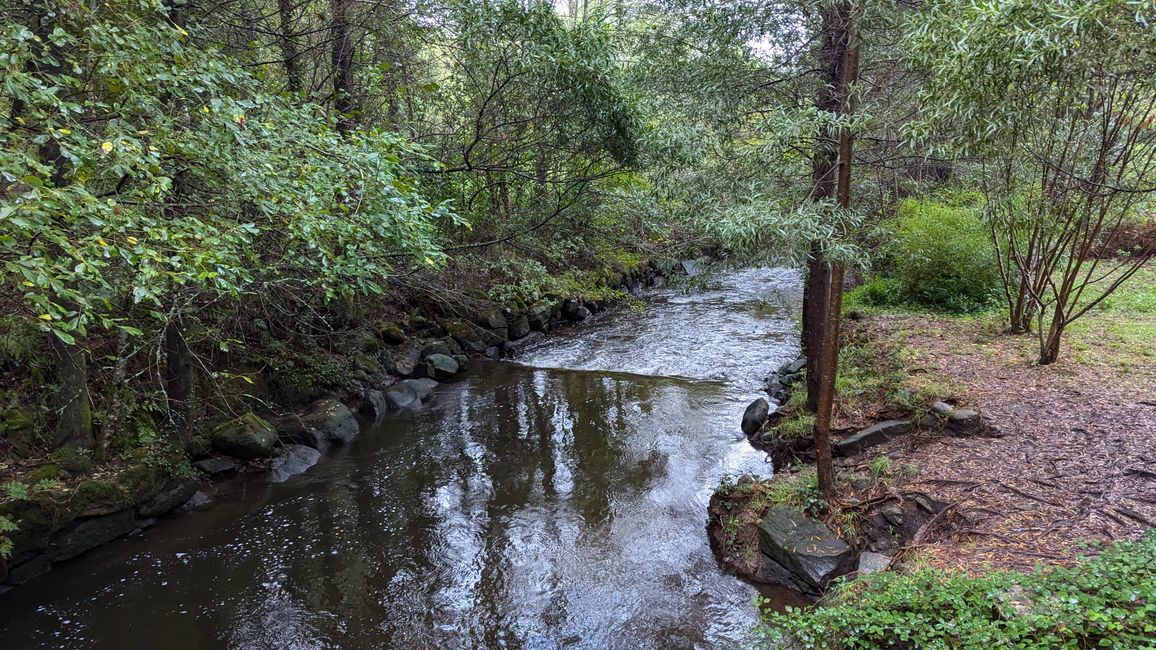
341 33
824 177
839 33
815 292
74 424
289 46
178 374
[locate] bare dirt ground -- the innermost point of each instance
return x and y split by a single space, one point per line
1076 460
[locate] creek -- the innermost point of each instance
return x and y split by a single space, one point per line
556 501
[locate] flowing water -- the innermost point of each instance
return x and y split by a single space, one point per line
556 502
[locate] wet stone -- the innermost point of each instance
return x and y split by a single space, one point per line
804 546
755 416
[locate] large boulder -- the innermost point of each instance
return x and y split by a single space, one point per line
519 327
402 397
513 347
18 431
391 333
804 546
246 437
374 405
755 415
440 347
494 320
91 533
875 434
443 365
408 394
293 460
538 317
171 496
570 310
423 388
471 337
328 421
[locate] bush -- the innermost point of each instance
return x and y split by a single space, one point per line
941 256
1108 601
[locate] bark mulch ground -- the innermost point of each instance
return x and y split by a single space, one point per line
1076 460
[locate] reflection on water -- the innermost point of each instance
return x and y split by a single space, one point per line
529 508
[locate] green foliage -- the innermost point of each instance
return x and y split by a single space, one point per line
881 467
941 257
6 526
144 168
800 490
1106 601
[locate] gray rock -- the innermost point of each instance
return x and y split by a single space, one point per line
581 314
795 366
198 501
519 327
424 369
35 566
171 496
873 435
691 268
791 379
423 388
405 358
512 347
463 362
218 465
246 437
374 405
538 317
493 353
293 460
893 513
570 309
327 421
928 421
438 347
471 337
444 366
89 534
941 408
755 415
403 398
804 546
873 562
494 320
964 421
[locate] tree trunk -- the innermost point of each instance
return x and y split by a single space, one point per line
341 34
74 424
178 374
824 177
289 46
839 35
815 296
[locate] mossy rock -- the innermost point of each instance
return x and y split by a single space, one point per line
246 437
48 472
142 481
17 429
391 333
99 496
73 460
367 362
37 519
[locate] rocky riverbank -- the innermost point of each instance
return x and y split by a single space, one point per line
282 417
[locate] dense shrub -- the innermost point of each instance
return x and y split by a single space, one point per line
940 256
1108 601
